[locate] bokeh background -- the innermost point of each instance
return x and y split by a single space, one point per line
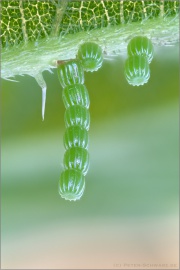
128 215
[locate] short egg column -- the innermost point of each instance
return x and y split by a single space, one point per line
140 54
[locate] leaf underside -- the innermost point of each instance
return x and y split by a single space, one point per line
29 20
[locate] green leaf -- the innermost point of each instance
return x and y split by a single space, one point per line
36 34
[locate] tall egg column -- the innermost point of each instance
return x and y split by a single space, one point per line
77 121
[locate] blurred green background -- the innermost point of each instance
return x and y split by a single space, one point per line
129 211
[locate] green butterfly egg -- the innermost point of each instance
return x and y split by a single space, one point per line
70 72
71 184
77 116
77 158
91 56
137 70
76 94
141 45
76 136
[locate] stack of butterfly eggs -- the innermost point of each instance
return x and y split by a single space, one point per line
140 54
77 118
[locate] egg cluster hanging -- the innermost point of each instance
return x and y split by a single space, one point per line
76 101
